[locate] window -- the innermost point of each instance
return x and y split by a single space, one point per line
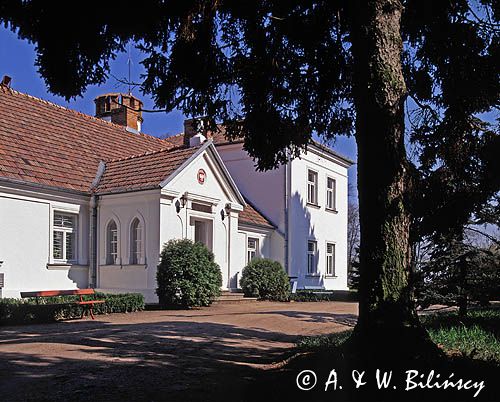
112 243
64 237
312 187
330 259
311 257
252 249
330 193
136 241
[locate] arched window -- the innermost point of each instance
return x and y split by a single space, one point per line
136 241
112 243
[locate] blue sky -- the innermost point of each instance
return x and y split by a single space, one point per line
17 58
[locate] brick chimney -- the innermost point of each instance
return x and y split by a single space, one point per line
122 109
196 131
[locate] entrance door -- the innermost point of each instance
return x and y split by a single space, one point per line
203 232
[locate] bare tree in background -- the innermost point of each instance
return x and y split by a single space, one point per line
353 237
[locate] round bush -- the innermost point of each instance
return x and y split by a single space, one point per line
187 275
265 279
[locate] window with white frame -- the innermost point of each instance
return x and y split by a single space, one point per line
136 241
330 193
64 236
330 259
252 248
312 248
112 243
312 187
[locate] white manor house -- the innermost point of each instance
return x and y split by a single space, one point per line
89 201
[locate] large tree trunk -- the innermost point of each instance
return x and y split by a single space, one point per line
386 308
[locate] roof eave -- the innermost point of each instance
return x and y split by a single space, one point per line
44 186
256 225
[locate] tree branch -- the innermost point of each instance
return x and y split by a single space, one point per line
423 106
493 239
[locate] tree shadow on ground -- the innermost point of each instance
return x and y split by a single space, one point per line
305 316
148 361
343 319
197 361
414 375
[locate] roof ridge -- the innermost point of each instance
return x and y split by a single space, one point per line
147 153
324 145
174 135
76 112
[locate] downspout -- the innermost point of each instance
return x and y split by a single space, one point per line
94 203
229 250
286 200
94 200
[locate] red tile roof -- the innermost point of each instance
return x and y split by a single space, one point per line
251 216
142 172
47 144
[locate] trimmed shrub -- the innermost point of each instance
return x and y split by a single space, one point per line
187 275
265 279
50 309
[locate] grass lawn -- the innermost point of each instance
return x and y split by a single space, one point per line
471 356
477 336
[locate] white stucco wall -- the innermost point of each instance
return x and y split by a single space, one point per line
277 247
26 240
308 222
265 190
26 214
123 209
214 193
265 243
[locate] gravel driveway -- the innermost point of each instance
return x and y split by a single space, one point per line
207 354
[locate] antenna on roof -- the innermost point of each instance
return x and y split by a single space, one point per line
129 62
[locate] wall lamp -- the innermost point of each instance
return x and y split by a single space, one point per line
180 203
225 211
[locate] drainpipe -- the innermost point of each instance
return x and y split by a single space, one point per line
93 241
286 200
229 249
94 201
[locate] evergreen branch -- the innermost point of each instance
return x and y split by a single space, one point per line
493 239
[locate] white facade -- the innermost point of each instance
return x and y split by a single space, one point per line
317 223
281 195
131 227
122 209
26 239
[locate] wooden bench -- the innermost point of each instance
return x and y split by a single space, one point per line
87 305
309 287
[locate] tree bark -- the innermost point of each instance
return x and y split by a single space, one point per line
386 305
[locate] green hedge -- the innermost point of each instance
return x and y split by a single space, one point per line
50 309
